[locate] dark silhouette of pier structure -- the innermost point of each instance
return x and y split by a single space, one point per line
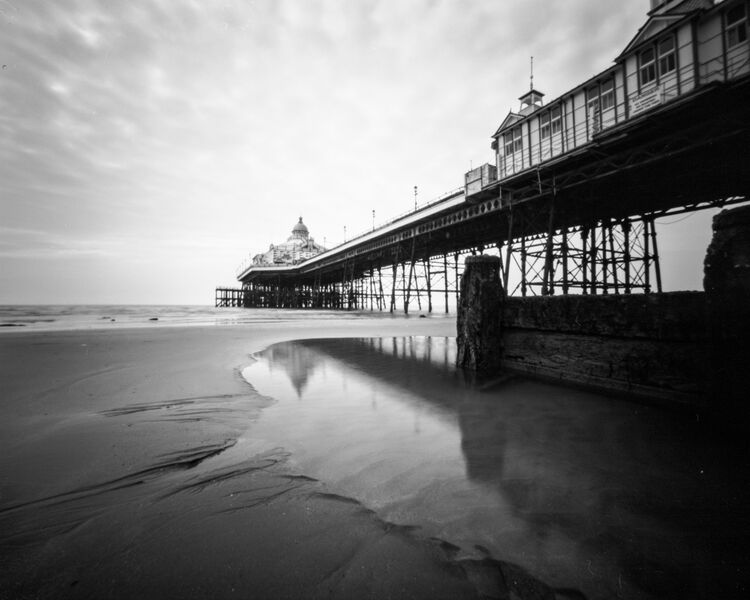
570 203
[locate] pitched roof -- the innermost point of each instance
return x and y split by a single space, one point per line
662 18
684 6
511 119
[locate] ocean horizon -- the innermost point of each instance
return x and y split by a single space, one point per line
68 317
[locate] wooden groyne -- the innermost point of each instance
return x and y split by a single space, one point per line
680 348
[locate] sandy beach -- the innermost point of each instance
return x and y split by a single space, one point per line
305 455
108 487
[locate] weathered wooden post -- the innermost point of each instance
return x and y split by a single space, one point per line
479 309
727 284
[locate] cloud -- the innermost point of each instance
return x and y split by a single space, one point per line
125 124
19 243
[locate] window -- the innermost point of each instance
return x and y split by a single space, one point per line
736 25
508 143
657 61
594 116
544 126
667 60
513 141
556 116
550 122
648 66
592 96
608 94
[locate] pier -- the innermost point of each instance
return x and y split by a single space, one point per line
570 202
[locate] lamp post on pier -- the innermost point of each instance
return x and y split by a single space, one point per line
415 198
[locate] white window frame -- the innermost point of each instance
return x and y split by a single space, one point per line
607 91
593 110
556 119
648 66
737 28
508 143
517 139
545 128
667 62
592 100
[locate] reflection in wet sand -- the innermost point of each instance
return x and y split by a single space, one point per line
586 492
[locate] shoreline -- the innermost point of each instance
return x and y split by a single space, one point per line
51 318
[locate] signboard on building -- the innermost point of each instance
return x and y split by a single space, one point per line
646 100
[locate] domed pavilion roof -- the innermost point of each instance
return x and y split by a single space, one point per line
300 230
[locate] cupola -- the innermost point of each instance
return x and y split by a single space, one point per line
300 230
531 101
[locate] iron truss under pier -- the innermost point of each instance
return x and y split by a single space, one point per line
580 223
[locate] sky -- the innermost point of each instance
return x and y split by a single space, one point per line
147 148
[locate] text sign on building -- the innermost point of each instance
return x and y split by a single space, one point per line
646 100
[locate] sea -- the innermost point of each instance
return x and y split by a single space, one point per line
33 317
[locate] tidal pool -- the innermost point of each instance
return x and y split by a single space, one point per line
586 492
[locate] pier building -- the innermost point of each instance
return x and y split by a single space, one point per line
298 247
684 47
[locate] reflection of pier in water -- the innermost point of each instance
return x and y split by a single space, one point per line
627 502
297 361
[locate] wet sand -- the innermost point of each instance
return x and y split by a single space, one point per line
140 463
589 493
111 484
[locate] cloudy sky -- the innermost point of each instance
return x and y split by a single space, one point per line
148 147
